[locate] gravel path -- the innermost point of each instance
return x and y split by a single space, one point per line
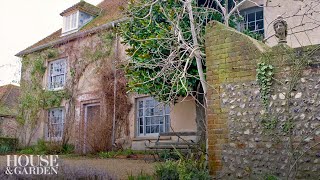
121 168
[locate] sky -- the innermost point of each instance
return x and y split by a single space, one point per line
23 23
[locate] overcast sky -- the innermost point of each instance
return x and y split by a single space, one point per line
23 23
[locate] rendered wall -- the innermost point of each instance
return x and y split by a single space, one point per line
182 118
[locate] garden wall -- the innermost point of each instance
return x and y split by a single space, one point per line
252 137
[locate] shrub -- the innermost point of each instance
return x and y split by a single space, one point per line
167 170
67 149
43 147
28 150
169 155
141 176
109 154
8 144
184 169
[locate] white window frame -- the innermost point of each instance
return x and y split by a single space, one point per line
50 123
67 22
245 23
144 116
51 75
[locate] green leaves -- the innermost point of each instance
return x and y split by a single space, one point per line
264 79
160 65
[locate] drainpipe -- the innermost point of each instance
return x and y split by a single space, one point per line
114 93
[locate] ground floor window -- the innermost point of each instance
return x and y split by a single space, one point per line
152 117
55 123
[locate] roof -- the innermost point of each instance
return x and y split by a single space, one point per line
83 6
111 12
9 99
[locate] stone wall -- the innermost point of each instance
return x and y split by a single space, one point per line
246 139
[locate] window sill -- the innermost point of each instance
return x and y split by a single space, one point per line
150 138
55 89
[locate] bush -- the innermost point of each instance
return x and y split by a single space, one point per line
42 147
141 176
8 144
109 154
167 171
169 155
28 150
184 169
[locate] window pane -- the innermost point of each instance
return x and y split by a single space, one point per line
74 21
148 129
150 112
141 130
55 123
140 104
259 15
251 26
150 103
148 120
251 17
259 25
158 110
140 112
155 129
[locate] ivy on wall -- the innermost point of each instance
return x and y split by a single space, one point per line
34 97
99 53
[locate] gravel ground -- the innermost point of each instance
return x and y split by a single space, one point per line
121 168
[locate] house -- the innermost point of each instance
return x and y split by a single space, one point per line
77 93
9 97
301 16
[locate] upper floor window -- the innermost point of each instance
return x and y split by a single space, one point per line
55 123
73 22
253 20
152 117
57 74
70 22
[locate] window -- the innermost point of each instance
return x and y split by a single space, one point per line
70 22
253 20
57 74
84 18
55 123
73 22
152 117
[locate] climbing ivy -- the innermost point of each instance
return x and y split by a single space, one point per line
34 97
264 79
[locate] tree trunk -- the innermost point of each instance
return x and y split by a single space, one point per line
201 116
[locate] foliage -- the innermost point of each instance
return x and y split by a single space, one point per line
270 177
264 79
169 155
187 168
159 65
254 35
44 148
8 144
33 97
108 154
269 123
167 170
141 176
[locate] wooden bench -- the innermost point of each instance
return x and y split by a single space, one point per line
180 143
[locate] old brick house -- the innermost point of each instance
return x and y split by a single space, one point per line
76 66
